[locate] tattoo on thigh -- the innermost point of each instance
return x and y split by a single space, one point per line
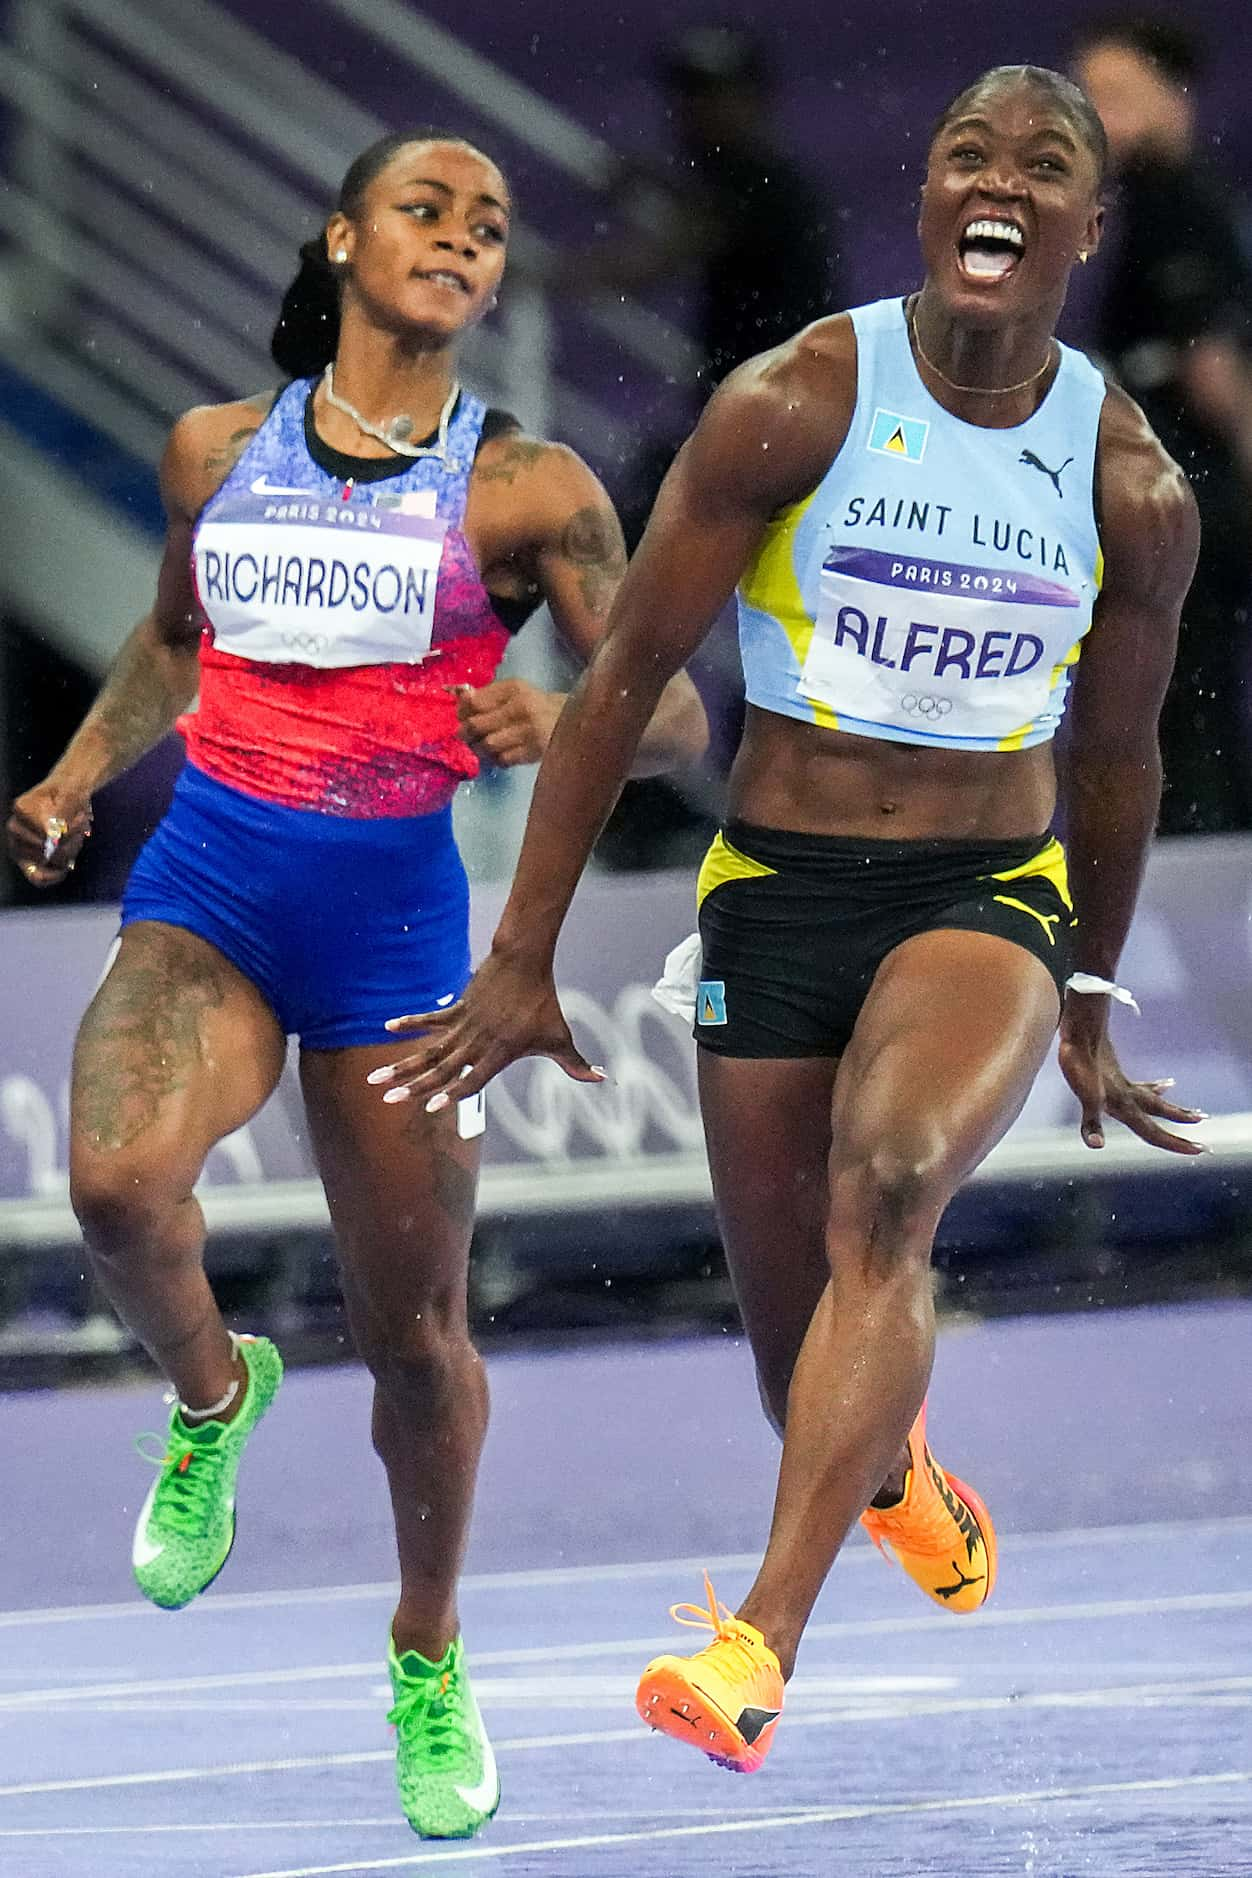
455 1186
141 1041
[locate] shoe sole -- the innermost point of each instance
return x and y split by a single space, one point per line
670 1703
988 1531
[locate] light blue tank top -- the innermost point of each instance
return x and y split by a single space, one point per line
937 585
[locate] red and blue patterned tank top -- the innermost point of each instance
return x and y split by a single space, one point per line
341 604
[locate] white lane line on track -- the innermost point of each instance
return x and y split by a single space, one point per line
773 1822
222 1603
1234 1691
1180 1604
392 1821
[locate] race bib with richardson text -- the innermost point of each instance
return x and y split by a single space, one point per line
302 578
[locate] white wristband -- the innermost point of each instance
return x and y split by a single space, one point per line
1086 982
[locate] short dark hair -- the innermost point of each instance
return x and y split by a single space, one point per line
1063 92
306 336
1169 44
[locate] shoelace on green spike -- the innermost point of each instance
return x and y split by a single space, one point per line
190 1483
434 1707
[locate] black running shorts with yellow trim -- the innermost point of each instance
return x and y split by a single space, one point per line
794 927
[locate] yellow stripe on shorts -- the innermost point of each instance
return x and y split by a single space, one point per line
1048 864
723 863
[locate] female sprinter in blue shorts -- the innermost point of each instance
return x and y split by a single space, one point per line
930 508
345 563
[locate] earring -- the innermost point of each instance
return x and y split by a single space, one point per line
341 255
493 303
1083 256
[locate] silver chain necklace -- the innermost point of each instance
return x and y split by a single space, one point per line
395 433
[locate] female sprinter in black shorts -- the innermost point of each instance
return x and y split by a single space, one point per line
346 560
930 508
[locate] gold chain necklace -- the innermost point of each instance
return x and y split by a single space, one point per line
981 391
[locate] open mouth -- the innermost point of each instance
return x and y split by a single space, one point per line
444 277
990 249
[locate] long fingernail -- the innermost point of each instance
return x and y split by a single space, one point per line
384 1074
394 1023
397 1095
436 1103
467 1070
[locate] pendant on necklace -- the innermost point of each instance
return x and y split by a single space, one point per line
347 489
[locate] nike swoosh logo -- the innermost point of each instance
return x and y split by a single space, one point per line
263 488
143 1552
486 1793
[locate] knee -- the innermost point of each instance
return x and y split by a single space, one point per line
420 1354
121 1203
887 1202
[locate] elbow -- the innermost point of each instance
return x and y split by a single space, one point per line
683 727
692 736
1109 766
678 735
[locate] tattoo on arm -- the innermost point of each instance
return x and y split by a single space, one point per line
592 542
141 698
219 462
518 455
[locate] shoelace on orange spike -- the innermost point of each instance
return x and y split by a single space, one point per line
714 1616
718 1618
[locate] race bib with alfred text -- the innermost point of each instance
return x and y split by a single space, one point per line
916 645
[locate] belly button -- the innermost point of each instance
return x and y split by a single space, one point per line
888 808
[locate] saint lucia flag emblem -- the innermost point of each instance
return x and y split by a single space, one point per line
711 1001
893 435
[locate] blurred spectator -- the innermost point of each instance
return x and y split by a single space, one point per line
757 238
749 225
1174 326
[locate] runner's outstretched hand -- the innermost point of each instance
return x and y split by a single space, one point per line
1089 1065
508 1010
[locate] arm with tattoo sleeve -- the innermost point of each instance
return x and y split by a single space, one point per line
576 558
154 676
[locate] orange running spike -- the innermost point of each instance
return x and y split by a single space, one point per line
940 1532
724 1700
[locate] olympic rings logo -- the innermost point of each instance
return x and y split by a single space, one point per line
921 704
306 642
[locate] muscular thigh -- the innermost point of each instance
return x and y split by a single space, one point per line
400 1184
176 1050
767 1126
950 1038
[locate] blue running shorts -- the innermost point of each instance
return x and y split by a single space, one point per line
340 923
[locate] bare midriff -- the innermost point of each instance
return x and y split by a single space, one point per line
817 781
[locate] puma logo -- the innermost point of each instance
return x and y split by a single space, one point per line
1053 475
962 1583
